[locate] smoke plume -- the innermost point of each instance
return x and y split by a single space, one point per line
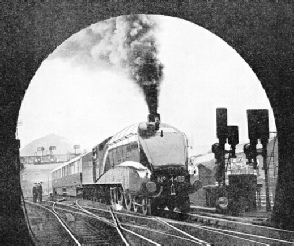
125 42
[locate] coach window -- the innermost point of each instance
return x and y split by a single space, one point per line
76 167
78 164
72 168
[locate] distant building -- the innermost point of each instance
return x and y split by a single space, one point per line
37 169
47 159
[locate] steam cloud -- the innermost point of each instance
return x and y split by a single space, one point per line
125 42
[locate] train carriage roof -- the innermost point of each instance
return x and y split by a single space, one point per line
69 162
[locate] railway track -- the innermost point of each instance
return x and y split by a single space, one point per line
86 223
81 229
49 229
208 230
262 234
89 229
137 233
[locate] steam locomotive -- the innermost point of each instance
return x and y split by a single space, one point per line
143 168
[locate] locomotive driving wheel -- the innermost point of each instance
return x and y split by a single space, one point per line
119 196
136 204
112 196
145 205
128 201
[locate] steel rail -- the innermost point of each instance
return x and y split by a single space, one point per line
129 231
183 232
258 230
140 236
60 221
161 232
249 240
115 224
118 228
65 226
250 235
96 216
118 224
211 229
191 238
239 235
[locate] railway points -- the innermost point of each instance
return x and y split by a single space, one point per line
50 229
81 229
149 228
139 229
219 231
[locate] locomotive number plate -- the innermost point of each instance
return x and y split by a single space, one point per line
179 179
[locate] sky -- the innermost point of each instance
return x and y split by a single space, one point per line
87 101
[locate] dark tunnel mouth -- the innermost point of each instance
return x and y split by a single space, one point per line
16 111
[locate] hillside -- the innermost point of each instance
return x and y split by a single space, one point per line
62 145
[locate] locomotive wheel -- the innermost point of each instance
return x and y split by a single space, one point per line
113 196
119 196
128 201
144 205
135 206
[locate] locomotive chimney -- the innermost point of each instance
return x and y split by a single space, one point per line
154 119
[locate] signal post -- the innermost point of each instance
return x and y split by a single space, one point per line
224 132
223 192
219 148
258 129
242 186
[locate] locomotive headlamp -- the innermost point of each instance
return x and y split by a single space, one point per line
222 202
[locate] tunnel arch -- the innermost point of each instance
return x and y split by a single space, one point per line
261 32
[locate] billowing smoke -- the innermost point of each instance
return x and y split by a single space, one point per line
125 42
